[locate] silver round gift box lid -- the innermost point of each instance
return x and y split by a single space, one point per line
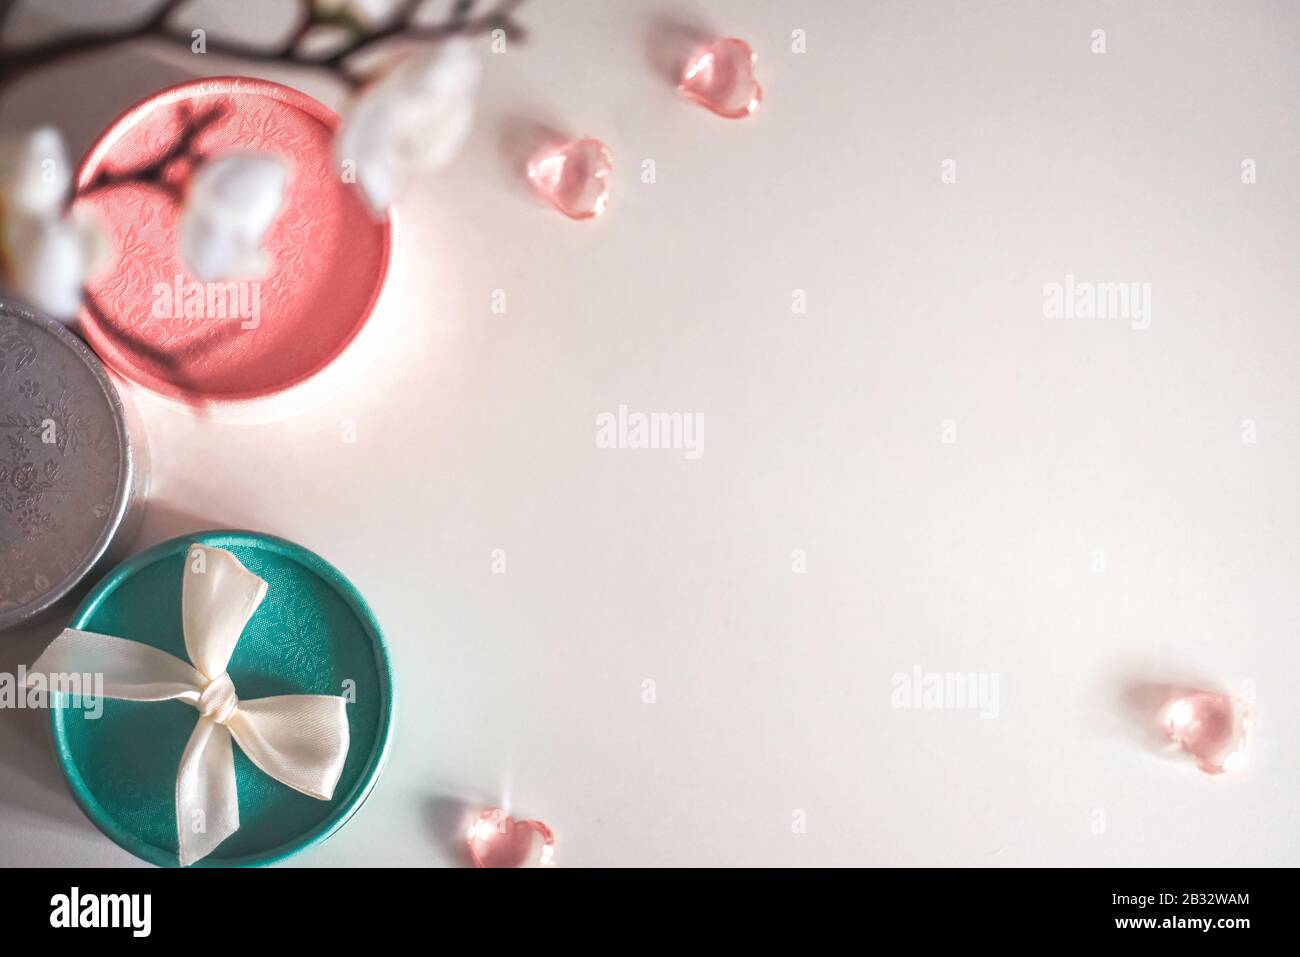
71 468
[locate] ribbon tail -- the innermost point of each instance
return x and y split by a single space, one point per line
128 669
299 739
207 801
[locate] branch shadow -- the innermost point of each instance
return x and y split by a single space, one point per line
671 42
90 91
127 341
1139 698
520 139
447 819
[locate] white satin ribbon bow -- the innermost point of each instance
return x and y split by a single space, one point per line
300 740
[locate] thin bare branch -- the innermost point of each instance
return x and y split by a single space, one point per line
160 26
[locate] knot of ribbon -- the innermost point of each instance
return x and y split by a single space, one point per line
218 700
300 740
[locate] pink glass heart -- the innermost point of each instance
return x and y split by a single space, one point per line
498 840
721 77
1209 726
574 177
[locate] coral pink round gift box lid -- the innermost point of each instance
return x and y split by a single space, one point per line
326 255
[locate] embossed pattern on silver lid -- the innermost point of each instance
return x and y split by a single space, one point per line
68 474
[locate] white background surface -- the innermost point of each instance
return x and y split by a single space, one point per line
822 433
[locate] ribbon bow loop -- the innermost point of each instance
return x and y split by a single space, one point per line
218 596
300 740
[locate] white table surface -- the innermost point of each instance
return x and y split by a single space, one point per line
823 432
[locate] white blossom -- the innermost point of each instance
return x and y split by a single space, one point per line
48 252
47 259
230 203
415 117
35 175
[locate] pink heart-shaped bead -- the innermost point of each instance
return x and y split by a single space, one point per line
721 77
1210 726
574 177
497 840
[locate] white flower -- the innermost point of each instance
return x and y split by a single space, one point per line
47 259
230 203
35 175
48 252
415 117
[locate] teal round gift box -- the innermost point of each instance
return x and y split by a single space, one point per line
312 634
